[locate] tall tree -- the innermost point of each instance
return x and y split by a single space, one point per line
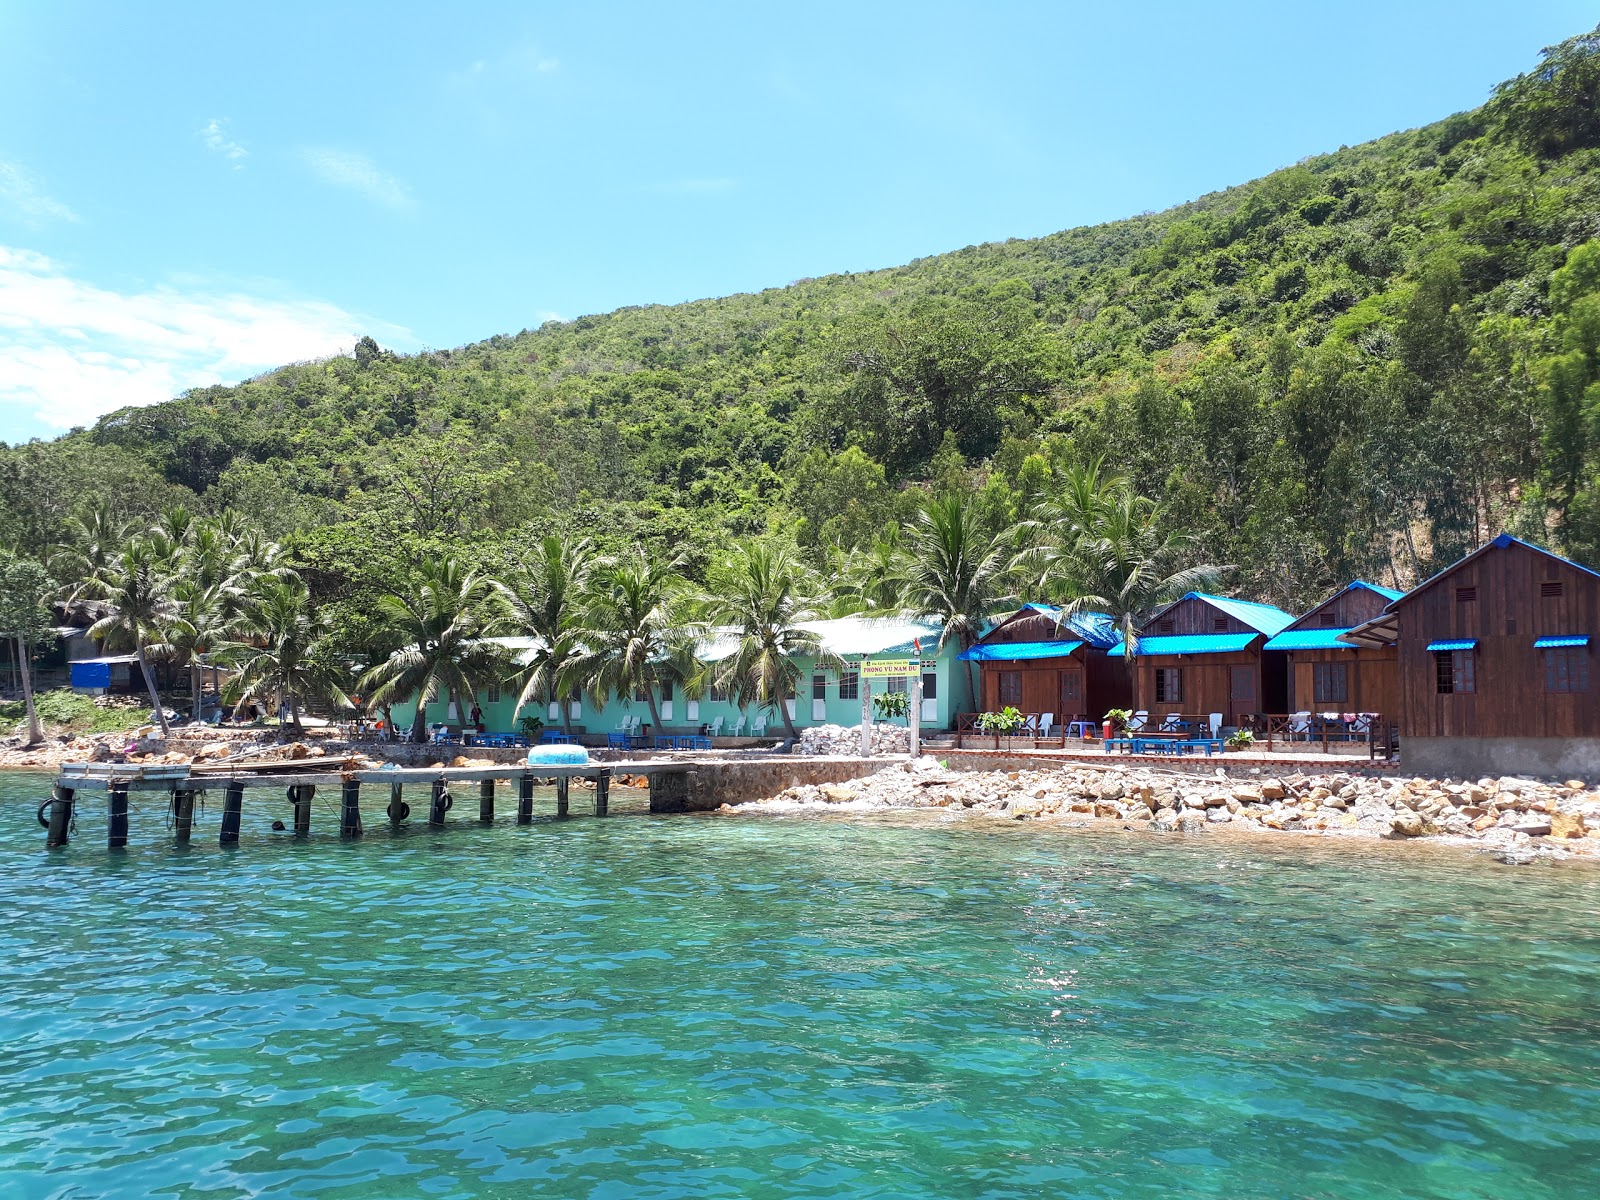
136 598
24 617
631 635
278 657
762 594
545 598
958 570
441 623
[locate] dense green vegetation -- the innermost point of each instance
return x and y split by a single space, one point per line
1360 365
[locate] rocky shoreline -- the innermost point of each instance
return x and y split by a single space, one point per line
1517 820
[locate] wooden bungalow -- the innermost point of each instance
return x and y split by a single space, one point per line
1495 659
1038 661
1329 674
1206 654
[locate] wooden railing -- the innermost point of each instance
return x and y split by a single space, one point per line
1379 734
967 726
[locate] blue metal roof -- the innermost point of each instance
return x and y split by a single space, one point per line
1557 643
1268 618
1386 593
1457 644
1017 651
1188 643
1321 638
1097 628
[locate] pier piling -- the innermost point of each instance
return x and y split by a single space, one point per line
60 816
440 803
398 809
232 811
486 801
117 815
602 792
301 796
182 815
563 786
525 799
350 808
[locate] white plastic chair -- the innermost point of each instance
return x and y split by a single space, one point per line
758 726
1300 725
738 727
1139 720
1216 724
715 728
1042 729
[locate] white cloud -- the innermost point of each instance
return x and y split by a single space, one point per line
71 352
357 173
20 194
217 141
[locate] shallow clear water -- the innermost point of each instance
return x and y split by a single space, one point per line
703 1007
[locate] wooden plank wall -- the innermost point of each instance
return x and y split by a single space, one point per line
1508 614
1374 679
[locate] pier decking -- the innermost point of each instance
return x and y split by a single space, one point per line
300 781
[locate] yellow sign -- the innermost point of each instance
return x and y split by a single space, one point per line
888 668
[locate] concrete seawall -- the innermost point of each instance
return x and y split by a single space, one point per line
714 783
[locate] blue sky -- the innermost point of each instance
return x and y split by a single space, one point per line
197 192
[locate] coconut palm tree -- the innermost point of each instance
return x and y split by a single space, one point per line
763 594
958 571
200 622
1062 522
631 636
278 657
135 598
1126 565
94 539
442 623
545 599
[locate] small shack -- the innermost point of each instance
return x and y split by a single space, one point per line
1496 658
1206 654
1330 674
1039 661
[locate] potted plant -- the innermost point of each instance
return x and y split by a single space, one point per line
1240 739
531 726
1119 718
1007 721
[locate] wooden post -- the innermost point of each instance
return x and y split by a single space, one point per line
398 810
602 792
437 806
301 795
914 712
60 816
182 816
117 815
350 808
525 799
486 801
563 794
232 811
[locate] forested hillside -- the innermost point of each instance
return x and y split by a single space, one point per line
1360 365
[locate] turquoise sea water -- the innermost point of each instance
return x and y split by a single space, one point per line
762 1007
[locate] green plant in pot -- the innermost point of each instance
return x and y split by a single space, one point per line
1240 739
1119 718
531 726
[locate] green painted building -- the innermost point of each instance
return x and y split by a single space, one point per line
829 694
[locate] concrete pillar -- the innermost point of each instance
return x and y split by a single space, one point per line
232 812
117 815
914 713
398 809
602 792
182 816
866 711
60 816
486 800
302 795
350 808
525 800
563 794
669 792
440 803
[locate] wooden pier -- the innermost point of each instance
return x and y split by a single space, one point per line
299 783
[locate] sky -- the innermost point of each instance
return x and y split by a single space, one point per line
195 193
